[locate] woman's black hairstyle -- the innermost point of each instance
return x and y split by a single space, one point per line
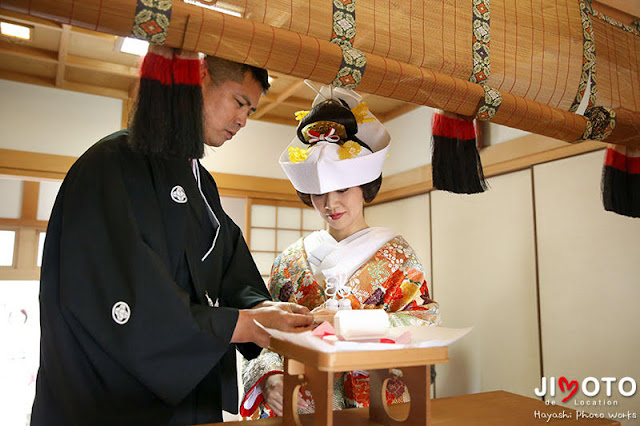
369 192
332 111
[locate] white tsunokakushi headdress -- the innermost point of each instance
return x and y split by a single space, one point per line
339 144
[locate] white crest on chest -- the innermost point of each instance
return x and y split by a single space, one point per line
121 312
178 195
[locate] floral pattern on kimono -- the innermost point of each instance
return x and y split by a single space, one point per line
392 279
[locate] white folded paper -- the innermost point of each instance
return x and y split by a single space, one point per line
421 337
361 324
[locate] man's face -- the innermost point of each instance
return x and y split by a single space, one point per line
227 106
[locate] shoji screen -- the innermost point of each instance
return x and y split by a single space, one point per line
274 226
484 276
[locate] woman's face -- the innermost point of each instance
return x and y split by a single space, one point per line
342 210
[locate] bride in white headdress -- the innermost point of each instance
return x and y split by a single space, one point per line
335 164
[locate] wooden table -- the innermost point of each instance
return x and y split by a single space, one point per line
497 408
315 370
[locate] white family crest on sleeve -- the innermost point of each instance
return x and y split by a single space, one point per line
121 312
178 195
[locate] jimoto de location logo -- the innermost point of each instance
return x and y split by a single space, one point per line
590 391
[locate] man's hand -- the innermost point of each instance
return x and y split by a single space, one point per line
272 390
323 314
285 306
280 316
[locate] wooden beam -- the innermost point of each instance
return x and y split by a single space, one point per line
281 98
506 157
624 11
95 90
278 120
30 192
63 51
23 163
291 101
28 79
102 66
254 186
62 58
17 223
50 166
15 49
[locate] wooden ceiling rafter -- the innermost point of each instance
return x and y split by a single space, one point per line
63 51
287 93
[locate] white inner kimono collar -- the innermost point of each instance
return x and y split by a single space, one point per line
342 259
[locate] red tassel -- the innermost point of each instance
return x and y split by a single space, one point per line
456 165
157 66
168 116
621 180
186 69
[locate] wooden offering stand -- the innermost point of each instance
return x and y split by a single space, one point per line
315 370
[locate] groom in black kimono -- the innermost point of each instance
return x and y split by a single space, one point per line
147 286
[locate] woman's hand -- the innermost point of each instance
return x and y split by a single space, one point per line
272 390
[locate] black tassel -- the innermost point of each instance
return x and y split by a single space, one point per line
621 180
456 165
150 130
187 133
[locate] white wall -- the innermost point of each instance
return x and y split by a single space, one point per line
11 196
410 141
484 276
54 121
589 280
253 151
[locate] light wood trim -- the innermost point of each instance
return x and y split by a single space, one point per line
30 192
291 101
281 98
96 90
27 79
276 120
405 184
26 249
76 87
365 360
506 157
14 49
101 66
254 186
35 164
63 51
624 11
12 274
247 221
280 203
21 223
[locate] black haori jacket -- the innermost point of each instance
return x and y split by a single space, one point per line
129 333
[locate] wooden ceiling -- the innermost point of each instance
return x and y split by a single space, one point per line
73 58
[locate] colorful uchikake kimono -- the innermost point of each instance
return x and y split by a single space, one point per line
383 272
